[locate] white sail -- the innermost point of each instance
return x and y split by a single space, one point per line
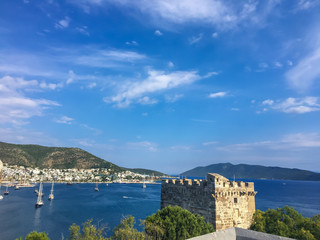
39 199
51 196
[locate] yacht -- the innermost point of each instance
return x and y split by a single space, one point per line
39 199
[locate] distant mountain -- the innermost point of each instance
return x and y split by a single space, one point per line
57 157
253 171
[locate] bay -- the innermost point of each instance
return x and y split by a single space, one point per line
79 202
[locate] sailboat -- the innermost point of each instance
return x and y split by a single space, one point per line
1 197
144 183
7 191
96 188
39 199
51 196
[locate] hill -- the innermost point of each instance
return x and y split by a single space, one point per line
253 171
57 157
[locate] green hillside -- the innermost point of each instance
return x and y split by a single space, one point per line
57 157
253 171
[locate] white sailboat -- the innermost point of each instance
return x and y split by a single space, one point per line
1 197
51 196
144 183
39 199
7 190
96 188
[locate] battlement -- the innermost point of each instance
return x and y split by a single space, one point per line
222 202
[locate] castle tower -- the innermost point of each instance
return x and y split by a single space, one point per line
221 202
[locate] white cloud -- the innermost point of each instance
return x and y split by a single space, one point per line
150 146
180 148
147 101
71 77
195 39
306 4
209 143
133 43
65 120
290 63
173 98
144 114
278 64
64 23
14 105
155 82
294 105
306 72
92 85
170 64
215 35
268 102
290 142
158 33
217 94
83 30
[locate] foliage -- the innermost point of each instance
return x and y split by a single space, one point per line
37 236
288 223
176 223
89 232
126 230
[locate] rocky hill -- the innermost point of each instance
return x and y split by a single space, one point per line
57 157
253 171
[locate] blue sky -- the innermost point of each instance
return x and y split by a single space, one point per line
168 84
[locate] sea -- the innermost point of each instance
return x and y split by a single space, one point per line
78 203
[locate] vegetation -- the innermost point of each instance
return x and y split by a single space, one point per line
253 171
175 223
36 236
58 158
287 222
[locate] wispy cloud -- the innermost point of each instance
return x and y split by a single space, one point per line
83 30
15 105
217 95
149 146
158 33
293 105
134 92
290 142
64 23
195 39
64 120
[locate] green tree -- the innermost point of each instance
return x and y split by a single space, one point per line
37 236
287 222
175 223
89 232
125 230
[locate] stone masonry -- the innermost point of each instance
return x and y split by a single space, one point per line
221 202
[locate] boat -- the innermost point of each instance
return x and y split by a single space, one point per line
144 183
1 197
39 202
17 187
96 188
51 196
69 183
7 191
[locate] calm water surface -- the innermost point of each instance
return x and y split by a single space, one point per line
79 202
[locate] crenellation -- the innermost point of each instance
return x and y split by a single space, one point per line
221 202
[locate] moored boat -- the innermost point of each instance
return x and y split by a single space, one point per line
51 196
39 202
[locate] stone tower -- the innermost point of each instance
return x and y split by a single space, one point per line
221 202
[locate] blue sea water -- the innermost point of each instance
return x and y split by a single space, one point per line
79 202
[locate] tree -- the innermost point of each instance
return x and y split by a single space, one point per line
37 236
287 222
175 223
89 232
125 230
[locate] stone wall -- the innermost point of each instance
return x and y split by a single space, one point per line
221 202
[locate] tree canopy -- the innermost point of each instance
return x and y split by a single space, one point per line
175 223
287 222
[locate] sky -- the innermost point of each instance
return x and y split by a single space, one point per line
167 85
